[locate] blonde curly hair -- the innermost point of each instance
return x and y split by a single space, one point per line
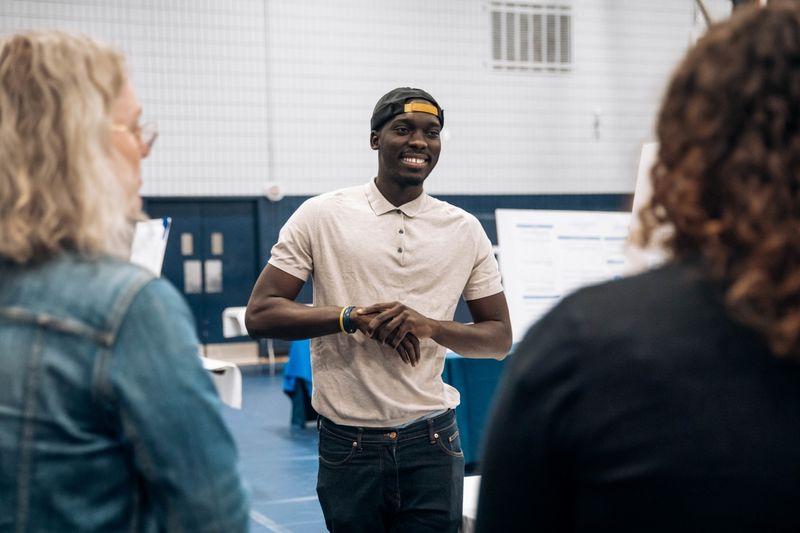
57 190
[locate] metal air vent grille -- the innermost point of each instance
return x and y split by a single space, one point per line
530 37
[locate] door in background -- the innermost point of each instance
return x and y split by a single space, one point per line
210 257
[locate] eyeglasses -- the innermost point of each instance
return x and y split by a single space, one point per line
145 133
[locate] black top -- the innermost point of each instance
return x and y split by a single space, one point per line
638 405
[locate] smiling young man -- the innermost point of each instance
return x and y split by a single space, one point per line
389 264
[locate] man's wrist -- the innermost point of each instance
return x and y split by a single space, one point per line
436 329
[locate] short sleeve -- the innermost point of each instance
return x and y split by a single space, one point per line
485 277
293 252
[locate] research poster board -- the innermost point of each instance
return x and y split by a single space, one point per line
545 255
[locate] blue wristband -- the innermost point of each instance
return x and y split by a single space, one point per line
349 327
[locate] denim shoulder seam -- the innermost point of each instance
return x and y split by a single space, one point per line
27 435
123 302
67 325
102 391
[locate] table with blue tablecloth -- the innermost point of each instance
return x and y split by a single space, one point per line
475 379
297 383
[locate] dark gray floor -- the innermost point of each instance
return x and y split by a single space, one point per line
279 462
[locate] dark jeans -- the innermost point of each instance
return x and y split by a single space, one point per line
389 479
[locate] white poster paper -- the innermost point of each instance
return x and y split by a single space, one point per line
150 244
545 255
640 259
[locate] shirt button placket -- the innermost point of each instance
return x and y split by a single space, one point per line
401 233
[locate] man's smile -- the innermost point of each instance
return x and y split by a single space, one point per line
415 161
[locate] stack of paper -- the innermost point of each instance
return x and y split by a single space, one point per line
150 244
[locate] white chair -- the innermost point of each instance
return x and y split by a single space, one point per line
233 326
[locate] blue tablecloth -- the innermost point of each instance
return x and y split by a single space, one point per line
475 379
298 366
297 383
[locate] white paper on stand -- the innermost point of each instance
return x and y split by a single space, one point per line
644 187
227 378
640 259
545 255
150 244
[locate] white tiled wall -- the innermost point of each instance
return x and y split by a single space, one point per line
199 67
251 91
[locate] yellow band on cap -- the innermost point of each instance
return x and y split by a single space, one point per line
422 107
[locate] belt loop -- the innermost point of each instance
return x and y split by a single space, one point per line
430 431
358 438
319 422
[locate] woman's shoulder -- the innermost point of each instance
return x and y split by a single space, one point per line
670 287
675 299
98 291
90 295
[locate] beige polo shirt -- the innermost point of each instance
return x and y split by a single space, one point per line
361 250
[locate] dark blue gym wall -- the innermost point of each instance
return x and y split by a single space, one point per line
273 215
269 217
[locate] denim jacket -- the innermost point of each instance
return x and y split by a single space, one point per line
107 420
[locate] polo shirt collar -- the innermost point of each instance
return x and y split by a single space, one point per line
380 205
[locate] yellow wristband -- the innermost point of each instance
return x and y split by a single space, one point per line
341 319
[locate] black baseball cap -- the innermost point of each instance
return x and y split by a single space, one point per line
395 103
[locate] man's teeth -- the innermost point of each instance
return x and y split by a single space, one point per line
414 160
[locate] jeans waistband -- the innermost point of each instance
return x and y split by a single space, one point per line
424 428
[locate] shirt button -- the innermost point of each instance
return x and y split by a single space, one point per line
401 231
399 250
397 211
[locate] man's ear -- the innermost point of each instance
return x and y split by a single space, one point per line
373 140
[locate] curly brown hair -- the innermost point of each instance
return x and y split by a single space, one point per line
727 178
